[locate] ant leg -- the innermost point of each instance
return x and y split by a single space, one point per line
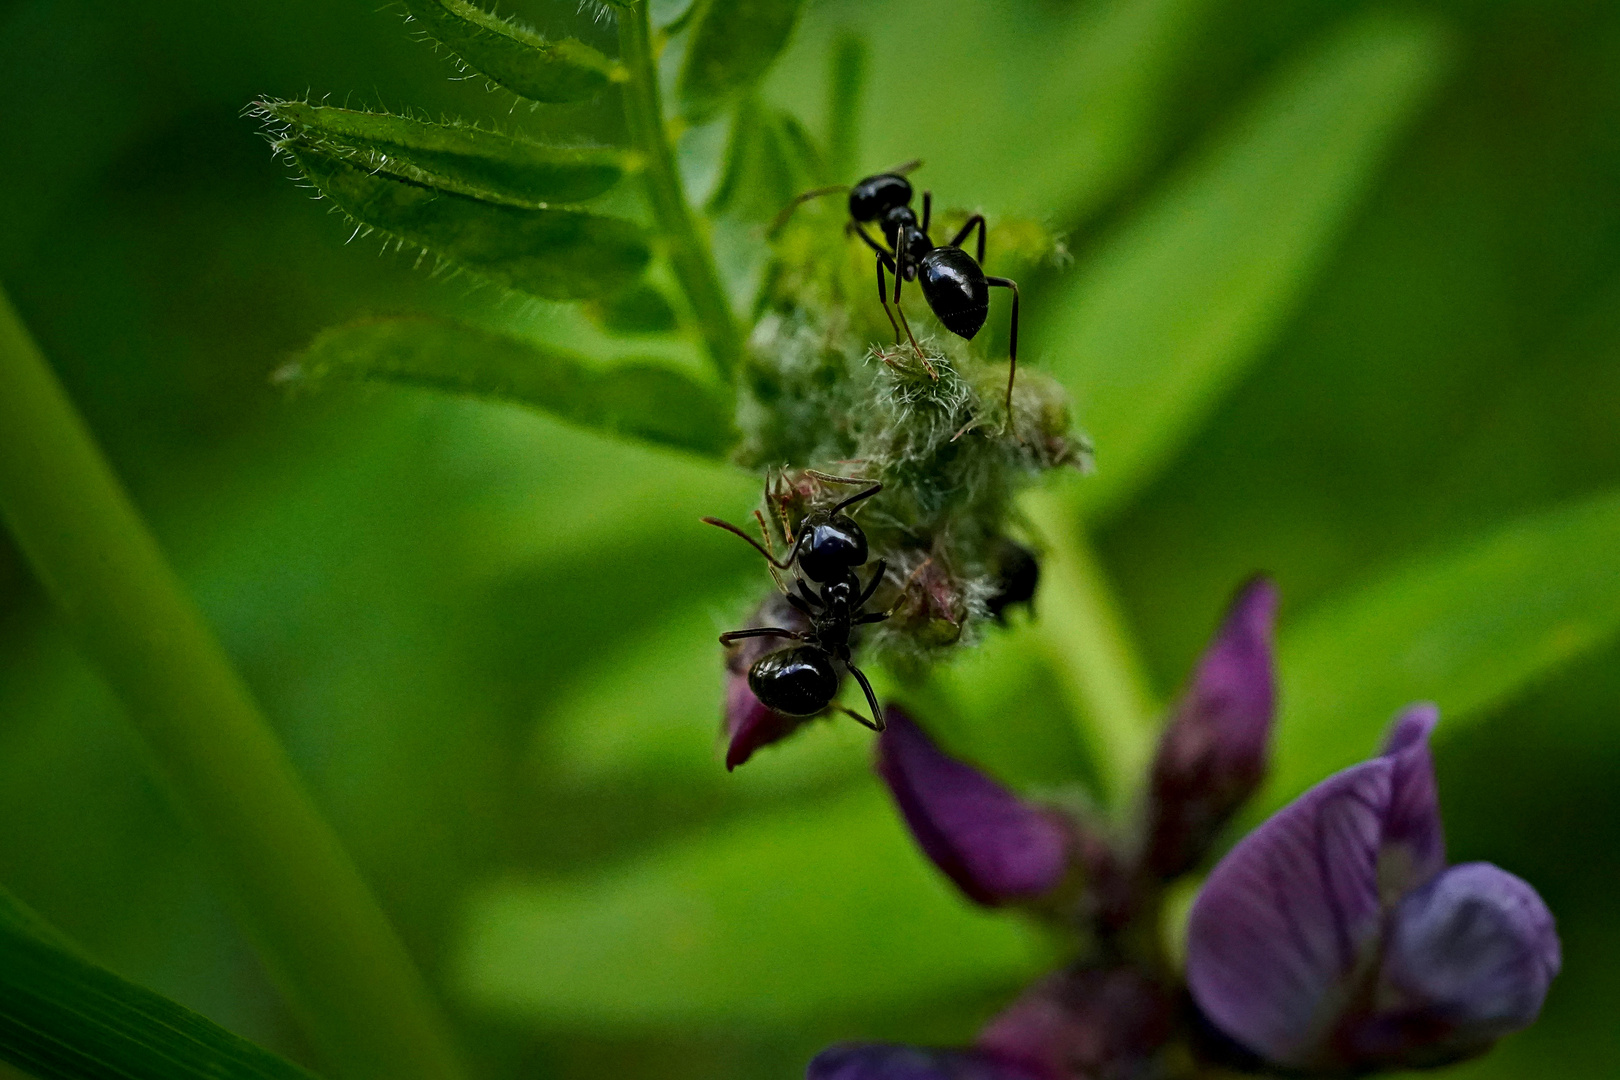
860 230
898 279
799 605
858 718
759 631
1012 338
871 587
928 209
883 297
757 546
872 617
857 497
976 221
831 479
809 596
871 698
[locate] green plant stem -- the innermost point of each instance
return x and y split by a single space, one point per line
1091 648
688 250
316 925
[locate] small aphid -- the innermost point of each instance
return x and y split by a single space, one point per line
828 547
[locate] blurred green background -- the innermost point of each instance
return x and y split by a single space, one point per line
486 638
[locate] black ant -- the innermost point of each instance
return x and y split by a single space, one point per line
952 281
828 546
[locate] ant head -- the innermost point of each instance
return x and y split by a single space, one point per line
833 545
870 199
798 681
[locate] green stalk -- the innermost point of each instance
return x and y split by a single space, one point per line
315 923
1091 648
688 249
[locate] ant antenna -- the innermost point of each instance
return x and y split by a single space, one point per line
781 218
730 528
831 479
910 166
855 498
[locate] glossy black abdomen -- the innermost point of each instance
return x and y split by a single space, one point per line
955 288
799 681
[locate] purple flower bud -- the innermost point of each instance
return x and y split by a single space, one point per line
1086 1022
1212 755
886 1061
748 724
1332 937
996 847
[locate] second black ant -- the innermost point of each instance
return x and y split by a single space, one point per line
952 281
828 547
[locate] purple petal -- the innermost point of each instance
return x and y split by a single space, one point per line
992 844
1468 958
1288 916
1213 752
1414 841
887 1061
1084 1022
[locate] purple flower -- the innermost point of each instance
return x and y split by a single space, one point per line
1212 754
749 724
887 1061
996 847
1334 937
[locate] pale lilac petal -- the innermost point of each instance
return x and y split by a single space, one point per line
996 847
1212 755
1414 841
887 1061
1289 914
1085 1022
1468 958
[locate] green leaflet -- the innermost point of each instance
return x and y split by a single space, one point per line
1171 311
1467 629
771 920
452 157
846 85
555 254
644 401
731 46
640 309
764 166
64 1018
516 58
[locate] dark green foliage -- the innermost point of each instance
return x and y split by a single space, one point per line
732 44
646 401
512 56
452 157
640 309
64 1018
555 254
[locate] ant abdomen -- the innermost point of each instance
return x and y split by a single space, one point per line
955 289
799 680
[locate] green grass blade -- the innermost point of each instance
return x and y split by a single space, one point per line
770 921
1467 628
452 157
513 56
1167 316
645 401
553 254
732 44
64 1018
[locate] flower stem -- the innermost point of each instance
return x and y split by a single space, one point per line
688 250
315 923
1092 650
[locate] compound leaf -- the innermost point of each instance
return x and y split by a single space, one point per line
513 56
1466 628
64 1018
732 44
452 157
645 401
554 254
